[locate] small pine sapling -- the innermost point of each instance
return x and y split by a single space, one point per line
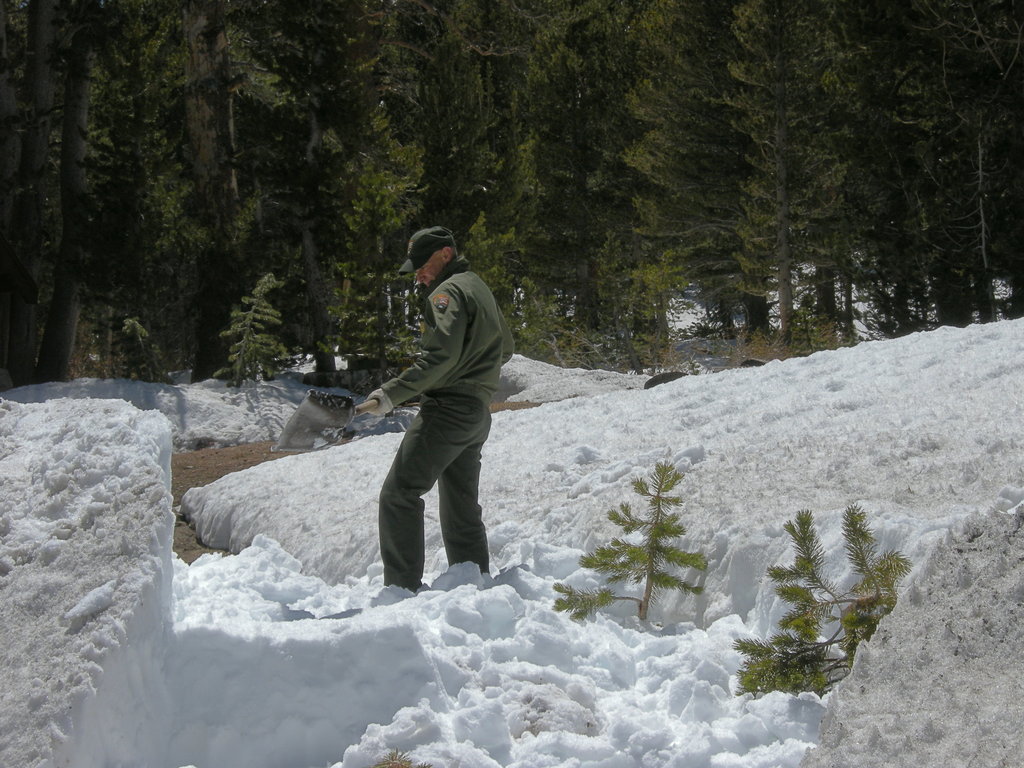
254 350
800 658
396 759
138 355
644 563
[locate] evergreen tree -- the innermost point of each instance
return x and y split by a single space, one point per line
454 85
973 210
209 94
145 238
138 358
875 90
396 759
330 177
925 92
86 20
255 351
800 657
581 69
456 115
9 140
646 562
694 156
792 197
31 220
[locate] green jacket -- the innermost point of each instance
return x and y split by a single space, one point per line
465 343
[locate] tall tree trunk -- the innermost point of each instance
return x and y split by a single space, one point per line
985 291
210 123
848 311
10 150
783 249
758 314
58 344
317 289
826 305
27 225
10 146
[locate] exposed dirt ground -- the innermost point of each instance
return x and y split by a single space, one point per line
197 468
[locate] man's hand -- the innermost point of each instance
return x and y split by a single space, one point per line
378 403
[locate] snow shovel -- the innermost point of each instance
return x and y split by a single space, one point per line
319 421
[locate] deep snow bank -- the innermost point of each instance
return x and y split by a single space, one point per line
474 672
232 670
85 578
920 431
202 415
530 381
260 684
210 414
942 681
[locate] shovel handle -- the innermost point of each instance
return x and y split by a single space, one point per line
366 405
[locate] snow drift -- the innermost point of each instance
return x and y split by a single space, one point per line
291 654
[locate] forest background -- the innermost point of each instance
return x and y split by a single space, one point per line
808 170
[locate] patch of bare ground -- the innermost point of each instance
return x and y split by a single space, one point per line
193 469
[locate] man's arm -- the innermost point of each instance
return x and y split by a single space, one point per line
440 347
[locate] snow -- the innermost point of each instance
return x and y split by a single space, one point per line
85 580
291 653
956 646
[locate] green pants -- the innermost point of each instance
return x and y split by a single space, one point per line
442 445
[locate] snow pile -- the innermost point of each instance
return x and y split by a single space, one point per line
291 654
473 671
919 431
942 681
202 415
531 381
210 414
85 581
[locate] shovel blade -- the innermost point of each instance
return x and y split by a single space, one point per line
318 422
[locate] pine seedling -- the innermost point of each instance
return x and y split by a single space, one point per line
138 353
645 563
254 350
396 759
800 657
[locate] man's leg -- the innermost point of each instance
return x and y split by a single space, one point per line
400 513
436 438
462 526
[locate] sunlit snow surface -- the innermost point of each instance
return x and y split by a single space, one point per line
292 653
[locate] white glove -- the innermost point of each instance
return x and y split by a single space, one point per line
378 403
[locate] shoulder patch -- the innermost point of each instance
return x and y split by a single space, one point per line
441 302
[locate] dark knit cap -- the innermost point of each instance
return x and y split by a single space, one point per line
423 244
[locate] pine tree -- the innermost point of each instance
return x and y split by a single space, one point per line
139 356
145 236
254 351
640 563
209 96
581 67
693 155
331 179
792 196
396 759
800 658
